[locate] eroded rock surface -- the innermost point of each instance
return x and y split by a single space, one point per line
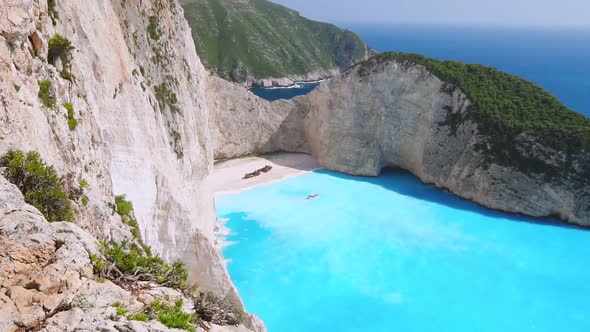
242 123
139 99
47 281
139 96
398 116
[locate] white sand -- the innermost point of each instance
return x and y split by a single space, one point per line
227 177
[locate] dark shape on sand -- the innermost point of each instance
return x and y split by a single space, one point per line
257 172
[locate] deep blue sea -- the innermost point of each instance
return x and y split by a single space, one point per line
392 254
558 59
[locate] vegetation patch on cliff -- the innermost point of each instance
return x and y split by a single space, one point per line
166 97
504 106
39 183
52 11
125 210
72 122
128 263
172 316
59 48
45 95
241 39
153 28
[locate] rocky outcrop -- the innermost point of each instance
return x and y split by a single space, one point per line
47 281
125 112
242 123
398 116
130 109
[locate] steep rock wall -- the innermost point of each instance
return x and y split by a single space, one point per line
48 283
398 116
139 94
242 123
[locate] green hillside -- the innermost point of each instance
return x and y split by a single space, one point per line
242 38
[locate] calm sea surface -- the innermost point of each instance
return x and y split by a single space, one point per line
393 254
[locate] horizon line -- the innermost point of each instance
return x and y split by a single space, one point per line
465 24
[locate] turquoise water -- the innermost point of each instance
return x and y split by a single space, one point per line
392 254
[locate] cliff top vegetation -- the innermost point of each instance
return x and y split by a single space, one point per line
503 105
238 39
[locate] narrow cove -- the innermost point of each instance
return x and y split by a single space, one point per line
390 253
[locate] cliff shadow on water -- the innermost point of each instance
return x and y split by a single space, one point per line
407 184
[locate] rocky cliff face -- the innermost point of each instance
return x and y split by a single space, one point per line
398 116
47 281
242 123
138 94
129 109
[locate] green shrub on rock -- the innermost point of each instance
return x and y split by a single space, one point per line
212 309
125 209
66 75
172 316
59 48
140 316
128 263
52 11
72 122
153 28
165 96
39 183
45 95
120 309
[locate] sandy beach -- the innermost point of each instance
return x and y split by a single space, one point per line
227 177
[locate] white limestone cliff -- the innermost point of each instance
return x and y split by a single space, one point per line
242 123
139 95
47 281
151 120
397 117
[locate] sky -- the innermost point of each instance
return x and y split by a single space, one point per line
480 12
